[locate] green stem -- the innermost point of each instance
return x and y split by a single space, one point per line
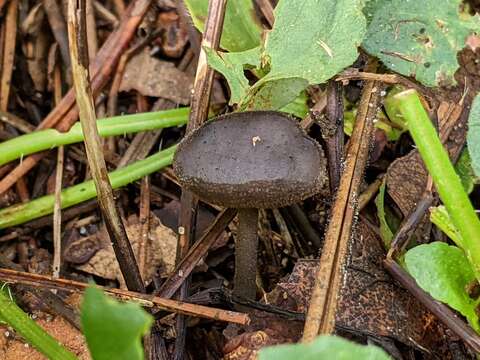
21 213
118 125
446 180
31 331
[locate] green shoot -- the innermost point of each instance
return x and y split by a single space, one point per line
21 213
446 180
30 330
118 125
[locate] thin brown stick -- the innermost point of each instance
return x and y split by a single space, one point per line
317 109
79 58
144 219
334 139
200 101
119 6
22 190
104 13
321 311
369 192
57 208
304 225
57 215
91 31
43 281
196 253
58 27
53 303
18 123
8 53
267 11
355 74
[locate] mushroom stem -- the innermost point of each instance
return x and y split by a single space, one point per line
246 254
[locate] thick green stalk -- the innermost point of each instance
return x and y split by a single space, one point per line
446 180
118 125
21 213
31 331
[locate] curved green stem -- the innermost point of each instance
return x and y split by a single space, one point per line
31 331
446 180
118 125
21 213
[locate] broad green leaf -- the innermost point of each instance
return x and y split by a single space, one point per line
419 38
113 330
276 94
371 8
313 39
323 348
444 272
473 134
231 65
385 232
241 29
464 169
440 217
297 107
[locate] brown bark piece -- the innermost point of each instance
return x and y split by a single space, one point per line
157 78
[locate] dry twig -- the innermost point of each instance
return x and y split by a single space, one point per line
79 58
42 281
321 311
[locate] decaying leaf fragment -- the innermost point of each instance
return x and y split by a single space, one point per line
153 77
161 250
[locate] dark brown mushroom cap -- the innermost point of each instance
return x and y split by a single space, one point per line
258 159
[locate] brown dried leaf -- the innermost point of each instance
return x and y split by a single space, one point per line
161 250
157 78
371 303
406 181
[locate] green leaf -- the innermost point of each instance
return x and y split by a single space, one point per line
276 94
444 272
385 232
241 29
313 39
113 330
371 8
323 348
419 38
232 65
440 217
297 107
473 134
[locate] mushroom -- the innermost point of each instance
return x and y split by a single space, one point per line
250 160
